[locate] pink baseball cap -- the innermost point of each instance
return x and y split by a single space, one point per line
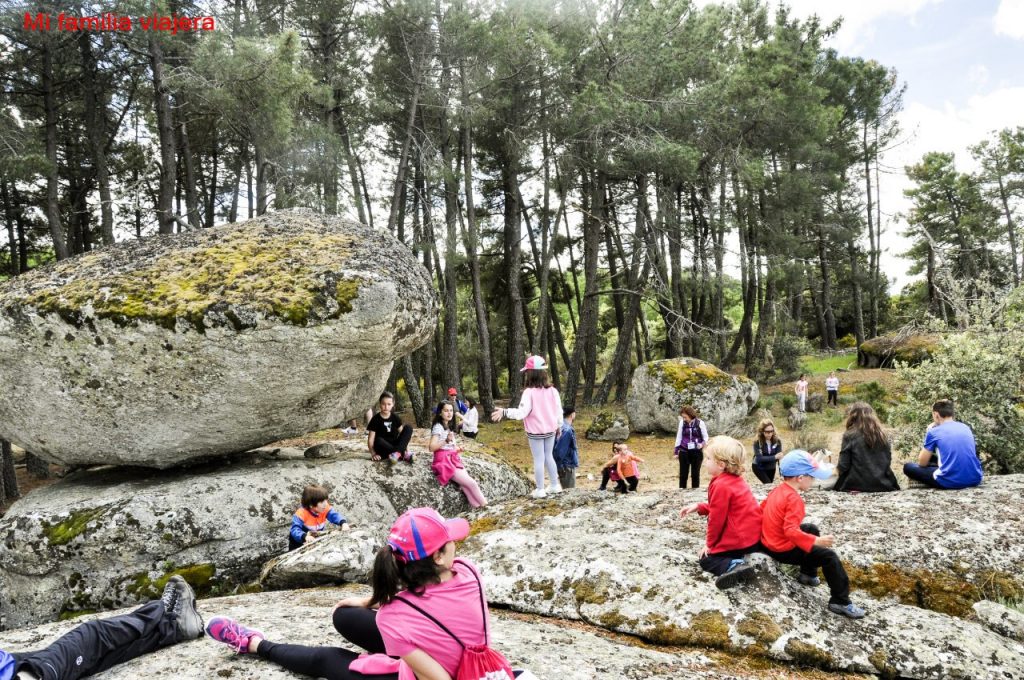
535 363
452 391
420 532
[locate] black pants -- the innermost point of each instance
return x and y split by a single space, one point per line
620 485
833 397
809 562
95 646
689 465
718 563
471 435
358 625
765 475
385 448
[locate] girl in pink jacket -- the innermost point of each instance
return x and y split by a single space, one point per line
540 409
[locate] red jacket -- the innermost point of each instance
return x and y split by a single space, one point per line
783 511
734 518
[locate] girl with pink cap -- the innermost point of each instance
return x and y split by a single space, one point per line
427 607
540 409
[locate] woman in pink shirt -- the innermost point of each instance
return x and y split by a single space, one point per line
540 409
418 583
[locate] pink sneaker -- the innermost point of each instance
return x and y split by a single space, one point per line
231 633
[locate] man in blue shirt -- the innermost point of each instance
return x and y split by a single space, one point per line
953 443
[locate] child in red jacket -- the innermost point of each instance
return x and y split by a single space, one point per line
786 540
734 517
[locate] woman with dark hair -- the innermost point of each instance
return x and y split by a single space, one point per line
540 409
690 441
865 459
767 451
426 607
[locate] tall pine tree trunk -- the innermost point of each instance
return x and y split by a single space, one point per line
165 134
60 244
96 131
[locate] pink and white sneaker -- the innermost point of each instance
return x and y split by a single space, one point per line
232 633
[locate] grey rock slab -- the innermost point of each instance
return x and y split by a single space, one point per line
1001 619
105 538
660 388
172 348
551 651
628 564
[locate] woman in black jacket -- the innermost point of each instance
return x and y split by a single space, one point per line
767 452
865 459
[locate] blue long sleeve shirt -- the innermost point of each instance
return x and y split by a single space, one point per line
566 451
300 527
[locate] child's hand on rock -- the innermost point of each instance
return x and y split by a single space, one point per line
692 507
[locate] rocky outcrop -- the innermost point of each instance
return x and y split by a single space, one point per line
550 649
660 388
1001 619
883 351
608 427
111 537
797 418
579 556
162 350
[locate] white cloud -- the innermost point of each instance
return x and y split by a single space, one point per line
1009 19
978 74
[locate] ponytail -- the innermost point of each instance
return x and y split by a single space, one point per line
389 576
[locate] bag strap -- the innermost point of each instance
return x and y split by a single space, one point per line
439 624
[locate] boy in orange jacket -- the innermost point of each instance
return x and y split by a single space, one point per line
786 540
734 517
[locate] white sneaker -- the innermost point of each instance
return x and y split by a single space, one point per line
538 493
555 488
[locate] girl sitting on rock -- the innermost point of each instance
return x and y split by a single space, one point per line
447 465
427 606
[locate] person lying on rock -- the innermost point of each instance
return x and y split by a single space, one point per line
95 646
427 611
734 517
952 444
786 540
311 519
388 437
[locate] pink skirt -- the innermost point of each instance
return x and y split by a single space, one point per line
446 462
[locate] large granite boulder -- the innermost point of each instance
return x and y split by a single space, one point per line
551 649
628 564
214 341
608 426
660 388
111 537
885 350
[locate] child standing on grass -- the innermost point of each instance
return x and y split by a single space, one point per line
801 393
832 388
540 409
312 517
734 517
566 451
447 465
621 469
786 540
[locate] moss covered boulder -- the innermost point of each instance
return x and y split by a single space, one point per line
110 537
885 350
158 351
660 388
608 426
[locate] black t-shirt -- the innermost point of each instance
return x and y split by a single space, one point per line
388 429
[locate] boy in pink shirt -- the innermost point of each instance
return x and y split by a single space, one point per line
734 517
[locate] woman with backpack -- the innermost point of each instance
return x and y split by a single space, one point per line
428 608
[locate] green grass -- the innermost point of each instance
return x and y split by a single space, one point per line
822 365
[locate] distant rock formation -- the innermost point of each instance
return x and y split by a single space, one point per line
885 350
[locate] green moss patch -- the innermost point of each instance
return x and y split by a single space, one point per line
950 592
77 523
286 276
761 627
685 374
593 590
144 587
707 629
809 655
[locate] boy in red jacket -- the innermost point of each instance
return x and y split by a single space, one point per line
786 540
734 518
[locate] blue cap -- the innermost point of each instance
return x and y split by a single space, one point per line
798 462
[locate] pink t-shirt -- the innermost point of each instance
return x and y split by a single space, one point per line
455 603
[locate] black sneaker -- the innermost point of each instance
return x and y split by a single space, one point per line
738 573
190 624
812 581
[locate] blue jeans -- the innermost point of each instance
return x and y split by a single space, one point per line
922 473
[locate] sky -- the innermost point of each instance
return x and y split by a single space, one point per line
963 63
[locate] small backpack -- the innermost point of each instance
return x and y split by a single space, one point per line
478 662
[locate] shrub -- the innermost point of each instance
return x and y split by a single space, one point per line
787 351
810 439
788 400
847 341
982 374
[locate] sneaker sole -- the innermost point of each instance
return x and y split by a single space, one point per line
740 574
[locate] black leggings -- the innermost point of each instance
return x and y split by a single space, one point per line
358 625
384 448
620 485
689 461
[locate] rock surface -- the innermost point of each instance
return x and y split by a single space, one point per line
211 342
883 351
815 402
797 418
111 537
550 649
1001 619
628 564
608 427
660 388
